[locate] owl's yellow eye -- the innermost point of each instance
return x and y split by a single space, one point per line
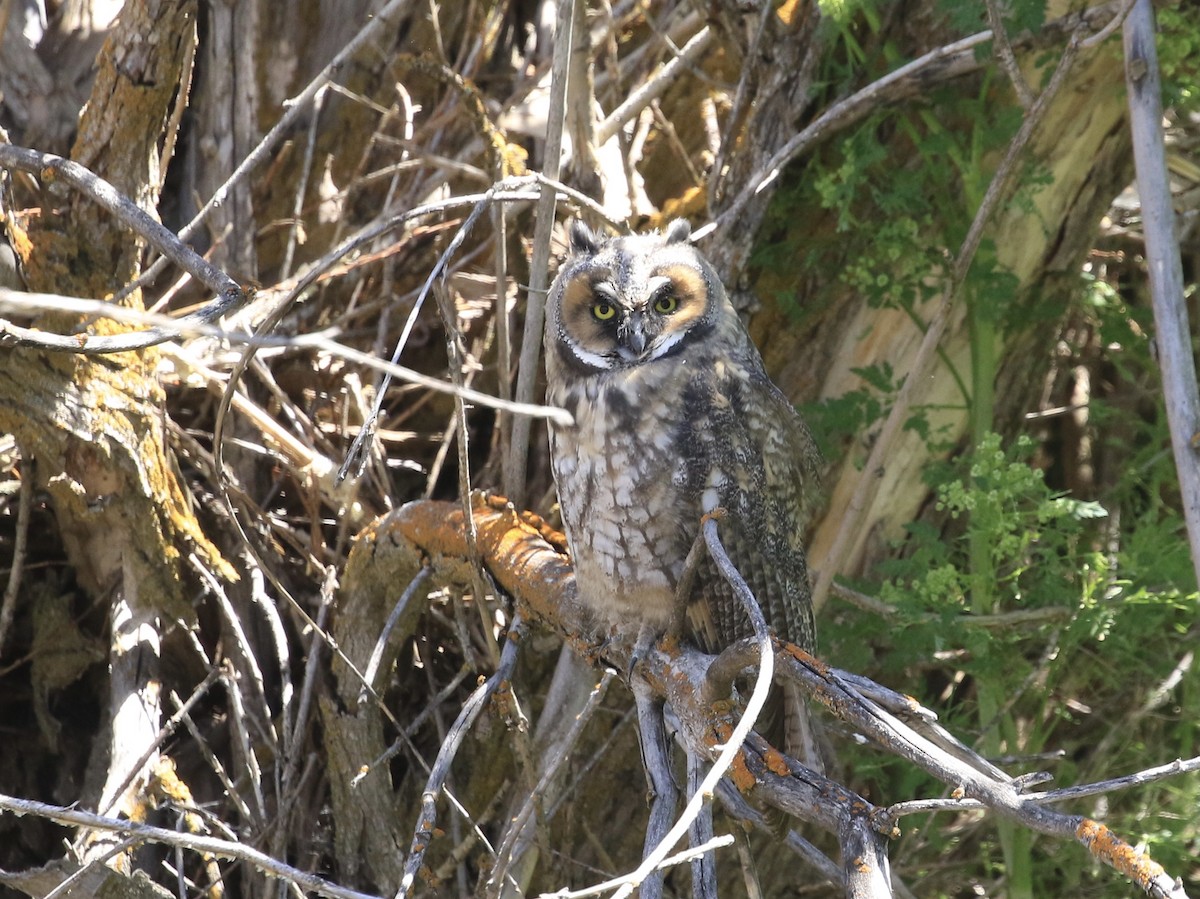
667 304
602 311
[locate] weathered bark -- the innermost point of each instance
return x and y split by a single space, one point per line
94 429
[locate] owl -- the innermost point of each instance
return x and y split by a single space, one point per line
674 416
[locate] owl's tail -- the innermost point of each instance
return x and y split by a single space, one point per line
799 734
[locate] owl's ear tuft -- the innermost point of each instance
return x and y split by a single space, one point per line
679 231
583 240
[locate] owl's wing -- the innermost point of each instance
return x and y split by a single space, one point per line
791 460
748 442
771 489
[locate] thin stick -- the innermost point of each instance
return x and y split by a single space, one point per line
679 858
554 765
71 817
1172 335
1005 51
230 295
434 785
20 544
372 669
535 309
655 87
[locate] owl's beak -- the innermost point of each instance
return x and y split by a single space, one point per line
632 337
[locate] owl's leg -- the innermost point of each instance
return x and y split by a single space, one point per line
647 636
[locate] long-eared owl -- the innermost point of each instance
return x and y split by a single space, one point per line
674 417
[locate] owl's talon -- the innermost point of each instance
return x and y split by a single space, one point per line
647 637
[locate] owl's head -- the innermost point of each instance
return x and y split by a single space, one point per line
625 301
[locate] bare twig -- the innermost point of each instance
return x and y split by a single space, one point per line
423 831
70 817
242 743
998 621
170 726
679 858
312 677
230 295
654 88
357 452
372 670
454 354
1109 29
539 266
721 148
1005 51
551 770
1147 775
20 544
1172 334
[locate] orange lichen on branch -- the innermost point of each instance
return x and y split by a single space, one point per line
739 771
518 549
776 762
804 657
1107 847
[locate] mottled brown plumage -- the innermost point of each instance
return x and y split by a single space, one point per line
674 417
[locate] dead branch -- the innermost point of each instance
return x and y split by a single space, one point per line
539 266
516 552
50 168
144 833
1163 262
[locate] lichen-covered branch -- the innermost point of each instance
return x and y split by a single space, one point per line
527 560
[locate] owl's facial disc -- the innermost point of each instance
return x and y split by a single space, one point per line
613 320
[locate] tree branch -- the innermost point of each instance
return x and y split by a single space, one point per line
1172 333
144 833
515 549
230 296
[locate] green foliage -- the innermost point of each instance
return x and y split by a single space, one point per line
1033 619
1019 16
1179 56
1120 593
1033 537
835 420
899 190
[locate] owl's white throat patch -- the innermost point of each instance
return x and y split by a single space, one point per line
588 358
665 344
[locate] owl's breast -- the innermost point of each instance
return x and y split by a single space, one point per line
616 471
